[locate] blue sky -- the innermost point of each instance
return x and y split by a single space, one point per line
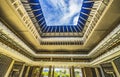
61 12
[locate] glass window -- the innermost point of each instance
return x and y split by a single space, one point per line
45 72
61 72
78 72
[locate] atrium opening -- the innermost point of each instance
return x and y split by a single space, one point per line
59 38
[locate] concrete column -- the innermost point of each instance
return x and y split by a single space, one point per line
9 69
97 72
103 75
115 69
72 72
53 72
88 72
83 74
27 72
22 70
49 74
41 68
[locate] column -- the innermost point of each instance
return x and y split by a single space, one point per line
22 70
103 75
72 72
53 72
115 69
38 72
83 74
88 72
49 74
27 72
41 68
97 72
9 69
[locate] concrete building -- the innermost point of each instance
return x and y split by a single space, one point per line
29 47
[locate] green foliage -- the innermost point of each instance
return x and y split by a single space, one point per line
60 73
45 73
77 74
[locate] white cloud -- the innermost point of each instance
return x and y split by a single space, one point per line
75 20
66 13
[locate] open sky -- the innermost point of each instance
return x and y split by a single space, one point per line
61 12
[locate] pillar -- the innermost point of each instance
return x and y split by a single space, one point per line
88 72
22 70
72 72
53 72
9 69
97 72
41 68
103 75
27 72
83 74
49 74
115 69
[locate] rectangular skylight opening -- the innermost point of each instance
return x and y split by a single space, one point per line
61 12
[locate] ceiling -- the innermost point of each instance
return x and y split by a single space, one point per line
103 18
